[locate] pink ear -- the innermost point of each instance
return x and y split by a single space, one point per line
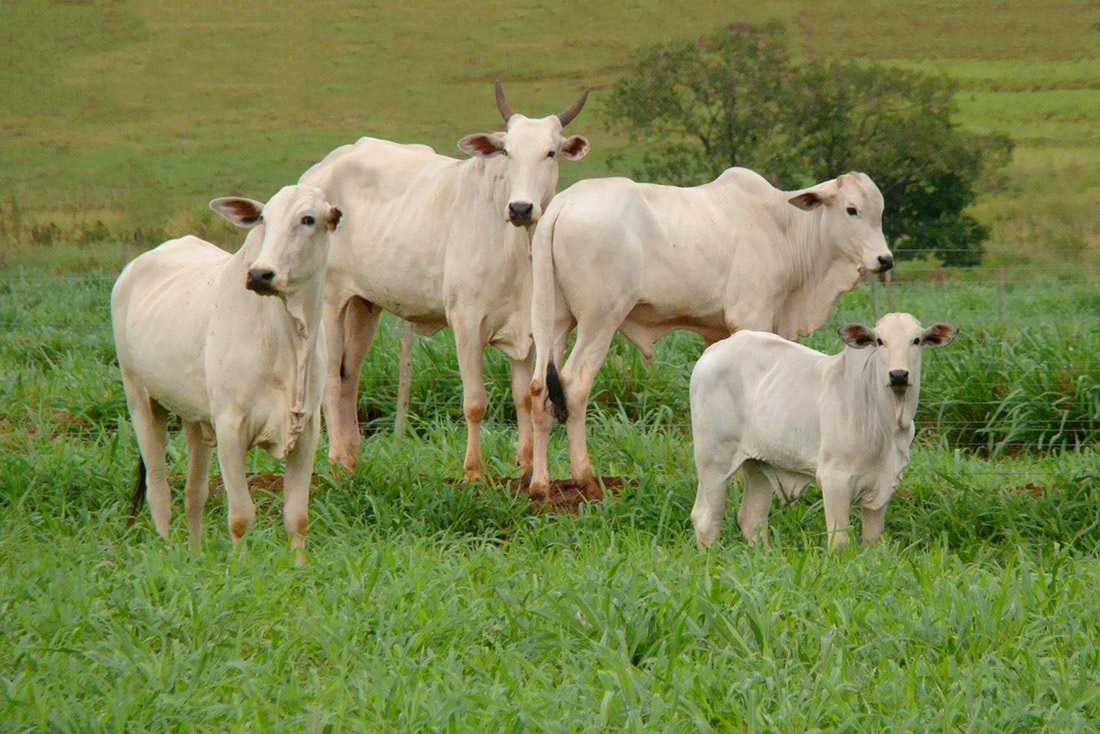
575 147
807 200
483 145
939 335
857 336
332 219
238 210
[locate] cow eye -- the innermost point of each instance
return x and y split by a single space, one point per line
879 342
917 340
852 211
551 154
308 221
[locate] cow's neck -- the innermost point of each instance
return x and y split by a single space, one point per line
814 277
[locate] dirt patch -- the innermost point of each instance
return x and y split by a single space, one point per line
566 496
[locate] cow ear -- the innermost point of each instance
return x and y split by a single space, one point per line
856 336
483 145
807 200
238 210
332 218
938 335
575 147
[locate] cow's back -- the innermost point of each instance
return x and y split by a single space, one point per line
160 307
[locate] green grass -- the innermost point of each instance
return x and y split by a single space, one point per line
431 605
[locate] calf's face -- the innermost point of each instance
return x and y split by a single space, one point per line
294 248
897 339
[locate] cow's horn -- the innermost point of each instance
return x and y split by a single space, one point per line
502 104
567 115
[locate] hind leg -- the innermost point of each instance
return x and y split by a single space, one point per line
350 327
756 502
299 472
151 426
521 396
199 453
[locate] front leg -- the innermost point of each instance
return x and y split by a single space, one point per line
836 492
299 472
522 370
874 522
232 449
470 346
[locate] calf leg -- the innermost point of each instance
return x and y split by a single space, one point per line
299 471
232 450
874 522
151 426
542 419
714 471
350 327
756 501
199 453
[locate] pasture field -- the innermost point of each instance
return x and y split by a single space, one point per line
133 113
429 605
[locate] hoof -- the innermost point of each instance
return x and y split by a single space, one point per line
592 490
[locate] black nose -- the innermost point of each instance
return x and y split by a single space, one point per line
259 280
520 212
899 378
885 262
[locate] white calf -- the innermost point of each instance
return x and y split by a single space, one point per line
232 344
787 415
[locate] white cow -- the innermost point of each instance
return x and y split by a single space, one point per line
231 344
737 253
439 242
787 415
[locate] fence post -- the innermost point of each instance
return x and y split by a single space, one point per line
888 284
1001 294
404 379
874 298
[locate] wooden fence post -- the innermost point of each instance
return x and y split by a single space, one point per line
1001 294
404 380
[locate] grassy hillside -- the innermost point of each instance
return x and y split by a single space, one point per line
135 113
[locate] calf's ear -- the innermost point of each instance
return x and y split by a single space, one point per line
575 147
332 218
938 335
857 336
238 210
483 145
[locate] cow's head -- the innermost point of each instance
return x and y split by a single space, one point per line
295 227
531 148
851 218
897 340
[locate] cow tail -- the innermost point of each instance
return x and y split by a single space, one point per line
556 392
543 308
138 498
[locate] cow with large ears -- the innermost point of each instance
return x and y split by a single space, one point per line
439 242
231 344
786 415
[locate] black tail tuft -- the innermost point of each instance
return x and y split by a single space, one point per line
556 393
138 498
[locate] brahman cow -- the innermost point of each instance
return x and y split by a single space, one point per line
231 344
787 415
737 253
439 242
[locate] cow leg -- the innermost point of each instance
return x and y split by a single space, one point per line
299 472
713 471
199 453
151 427
756 501
232 450
837 497
577 378
521 396
475 402
874 522
542 419
350 327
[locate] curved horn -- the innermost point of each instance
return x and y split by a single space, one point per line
567 115
506 110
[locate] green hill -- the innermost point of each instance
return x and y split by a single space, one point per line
118 114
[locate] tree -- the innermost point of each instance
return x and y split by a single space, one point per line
736 98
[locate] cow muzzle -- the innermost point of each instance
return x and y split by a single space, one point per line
899 378
521 212
885 262
261 281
